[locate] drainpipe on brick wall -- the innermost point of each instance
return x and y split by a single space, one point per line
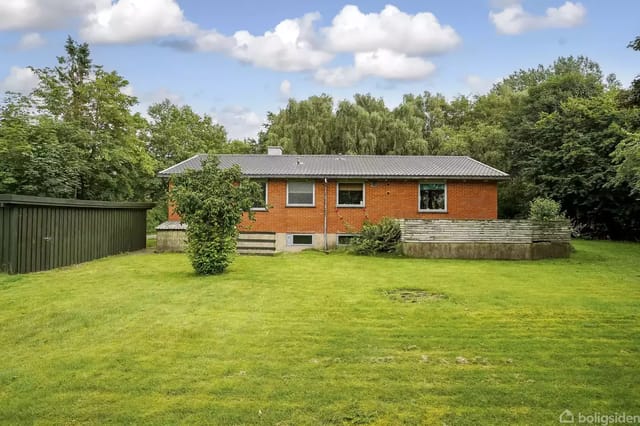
326 246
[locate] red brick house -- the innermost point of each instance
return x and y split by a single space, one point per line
321 200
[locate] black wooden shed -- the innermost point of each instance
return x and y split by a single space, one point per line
38 233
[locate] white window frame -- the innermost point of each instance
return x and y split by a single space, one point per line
313 186
364 195
266 196
446 197
290 242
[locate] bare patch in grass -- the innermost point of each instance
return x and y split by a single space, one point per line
412 295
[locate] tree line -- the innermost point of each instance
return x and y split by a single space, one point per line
563 131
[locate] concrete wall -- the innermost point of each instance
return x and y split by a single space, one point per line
171 237
486 239
457 239
513 251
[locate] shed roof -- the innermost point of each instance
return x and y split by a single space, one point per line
348 166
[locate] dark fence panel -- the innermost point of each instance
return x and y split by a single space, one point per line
39 233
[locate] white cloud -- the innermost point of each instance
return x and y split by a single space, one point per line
31 41
285 89
515 20
392 65
148 98
477 84
130 21
128 90
44 14
157 95
338 77
211 41
291 46
239 122
502 4
21 80
386 44
382 63
390 44
392 29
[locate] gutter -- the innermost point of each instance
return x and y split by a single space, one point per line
367 177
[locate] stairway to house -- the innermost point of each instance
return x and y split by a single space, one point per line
257 243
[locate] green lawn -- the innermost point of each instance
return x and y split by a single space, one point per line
314 338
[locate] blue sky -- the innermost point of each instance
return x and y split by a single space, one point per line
237 60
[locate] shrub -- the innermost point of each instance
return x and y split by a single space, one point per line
376 238
545 209
211 202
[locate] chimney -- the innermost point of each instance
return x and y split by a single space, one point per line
274 150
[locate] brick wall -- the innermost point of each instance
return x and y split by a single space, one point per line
465 200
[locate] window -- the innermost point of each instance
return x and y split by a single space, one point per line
300 239
262 203
433 197
345 239
351 194
301 194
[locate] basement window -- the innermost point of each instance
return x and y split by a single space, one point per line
432 197
350 195
300 239
261 204
345 239
301 194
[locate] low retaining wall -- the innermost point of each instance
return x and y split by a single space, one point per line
485 239
171 237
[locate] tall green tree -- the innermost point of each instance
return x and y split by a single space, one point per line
33 159
574 165
627 154
633 96
302 127
93 116
176 133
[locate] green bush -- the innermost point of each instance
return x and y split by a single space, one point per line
545 209
376 238
211 202
157 215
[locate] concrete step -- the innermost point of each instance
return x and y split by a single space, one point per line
267 236
257 251
256 243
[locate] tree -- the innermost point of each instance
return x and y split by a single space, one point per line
627 153
573 164
93 121
627 158
34 160
211 201
559 130
633 96
302 127
176 133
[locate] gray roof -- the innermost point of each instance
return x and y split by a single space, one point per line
348 166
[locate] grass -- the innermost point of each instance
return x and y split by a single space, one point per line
319 339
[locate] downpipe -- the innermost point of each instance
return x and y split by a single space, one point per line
326 244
